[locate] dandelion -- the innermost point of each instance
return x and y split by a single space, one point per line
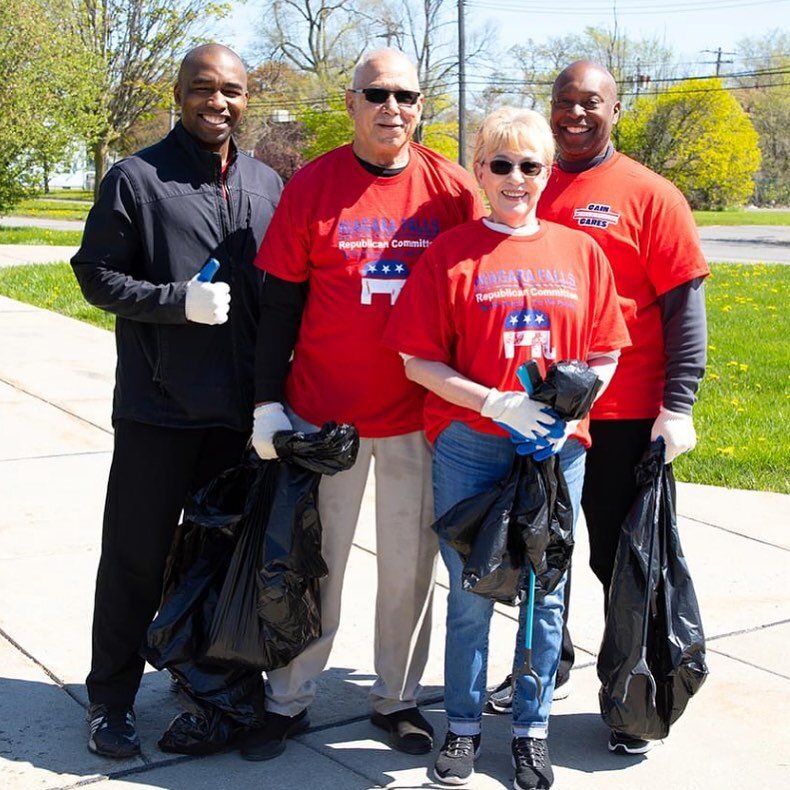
726 451
726 309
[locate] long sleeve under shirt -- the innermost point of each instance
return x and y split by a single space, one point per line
683 322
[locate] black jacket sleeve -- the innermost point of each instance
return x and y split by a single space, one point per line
109 265
685 343
282 304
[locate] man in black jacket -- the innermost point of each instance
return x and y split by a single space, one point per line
184 380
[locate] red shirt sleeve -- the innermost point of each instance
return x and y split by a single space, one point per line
284 250
674 255
420 323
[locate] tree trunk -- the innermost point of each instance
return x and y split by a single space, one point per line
100 150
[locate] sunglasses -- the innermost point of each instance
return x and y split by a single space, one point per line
380 95
504 167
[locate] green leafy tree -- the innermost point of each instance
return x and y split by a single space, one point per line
137 44
46 88
699 137
765 95
325 127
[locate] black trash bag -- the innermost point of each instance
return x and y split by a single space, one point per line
226 699
528 516
675 640
269 608
200 731
570 388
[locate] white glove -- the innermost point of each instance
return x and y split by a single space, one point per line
521 415
207 303
268 419
677 431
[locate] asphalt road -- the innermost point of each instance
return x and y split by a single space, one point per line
746 243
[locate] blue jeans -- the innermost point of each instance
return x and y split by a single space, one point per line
465 463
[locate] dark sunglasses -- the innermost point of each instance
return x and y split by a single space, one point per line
503 167
380 95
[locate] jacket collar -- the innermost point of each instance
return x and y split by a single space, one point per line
208 161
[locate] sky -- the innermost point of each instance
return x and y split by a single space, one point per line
688 26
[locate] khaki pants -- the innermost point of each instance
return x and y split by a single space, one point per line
406 562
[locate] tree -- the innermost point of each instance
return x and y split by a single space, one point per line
46 80
426 31
324 38
631 62
326 127
698 136
764 92
137 44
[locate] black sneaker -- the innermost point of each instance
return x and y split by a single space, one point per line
408 729
500 700
620 743
455 764
112 731
532 764
269 741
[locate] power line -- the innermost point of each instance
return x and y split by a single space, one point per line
679 8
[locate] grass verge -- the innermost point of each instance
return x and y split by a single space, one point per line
742 217
69 194
743 415
51 209
43 236
54 287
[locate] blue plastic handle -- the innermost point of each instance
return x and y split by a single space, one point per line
210 268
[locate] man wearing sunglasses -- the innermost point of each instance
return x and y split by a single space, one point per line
348 232
645 227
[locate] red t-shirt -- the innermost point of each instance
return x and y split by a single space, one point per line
484 302
356 238
644 225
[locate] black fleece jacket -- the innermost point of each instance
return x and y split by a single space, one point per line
160 214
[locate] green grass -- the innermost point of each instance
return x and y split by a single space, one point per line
50 209
69 194
743 414
742 217
54 287
64 238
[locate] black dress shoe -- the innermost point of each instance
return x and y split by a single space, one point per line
113 732
408 729
269 741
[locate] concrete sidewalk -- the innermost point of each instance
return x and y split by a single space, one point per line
55 442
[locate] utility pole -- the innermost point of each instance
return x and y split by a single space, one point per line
461 86
718 53
640 80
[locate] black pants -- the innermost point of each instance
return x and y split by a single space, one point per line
153 472
609 491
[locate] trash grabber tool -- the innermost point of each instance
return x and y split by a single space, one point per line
529 376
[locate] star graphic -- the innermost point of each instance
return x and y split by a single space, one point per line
513 319
370 268
385 268
399 268
539 319
527 318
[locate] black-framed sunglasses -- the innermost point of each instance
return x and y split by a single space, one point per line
504 167
380 95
